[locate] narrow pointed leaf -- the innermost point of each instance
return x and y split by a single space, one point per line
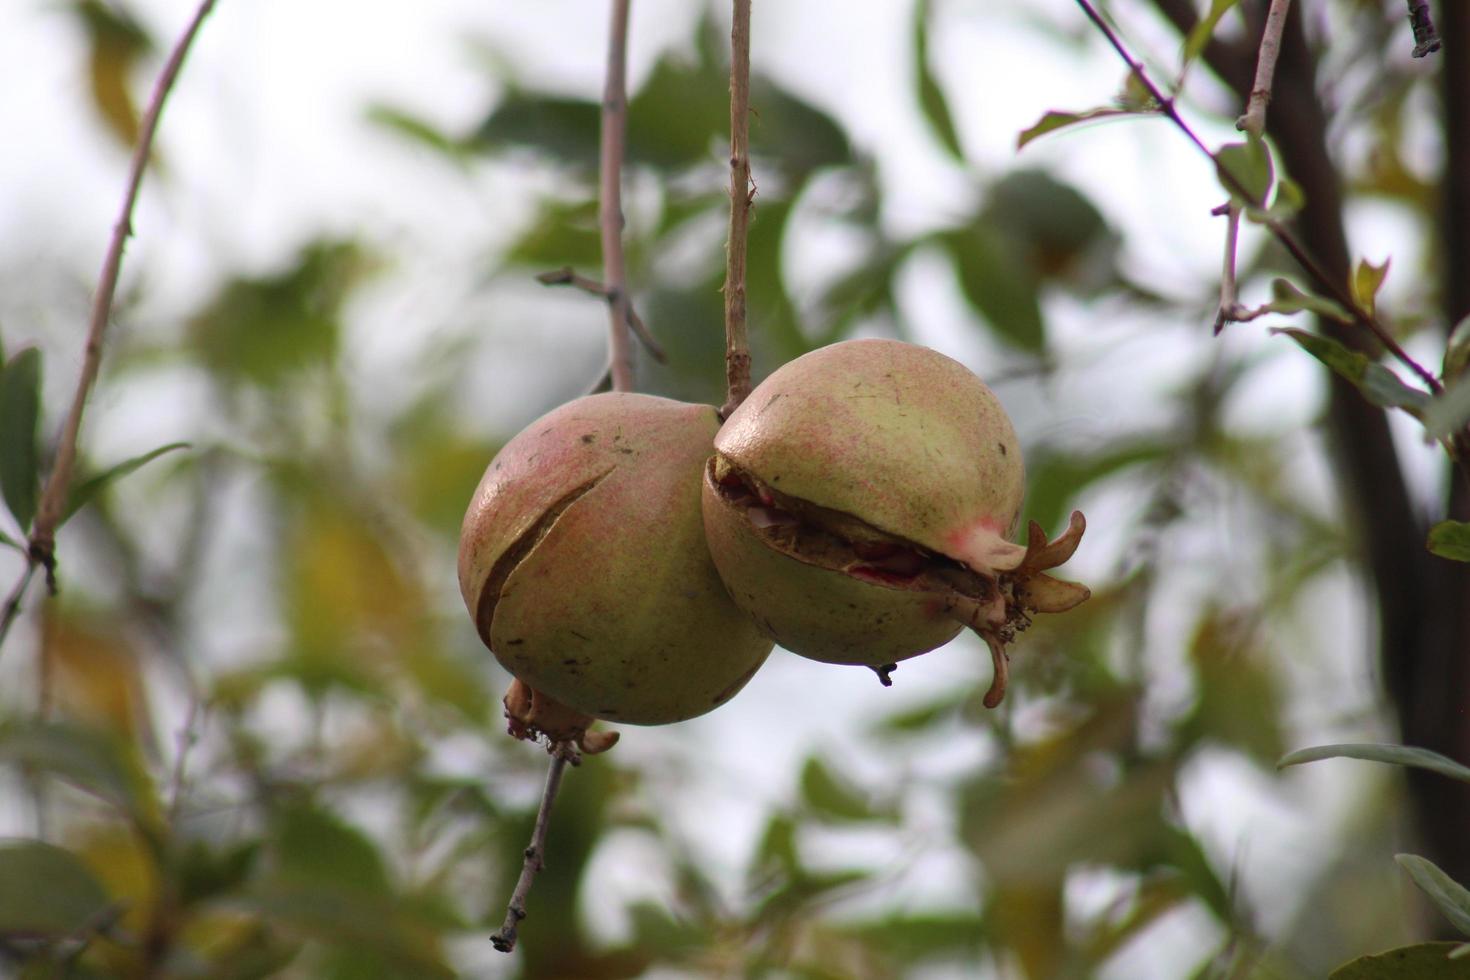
1056 119
1286 298
84 491
1450 539
1400 755
1367 280
1376 383
1245 171
1447 413
1448 895
1200 34
931 96
20 407
1457 350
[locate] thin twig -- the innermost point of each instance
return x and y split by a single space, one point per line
1254 120
566 276
42 550
1253 123
13 601
1426 38
737 344
1229 300
1335 290
610 214
505 940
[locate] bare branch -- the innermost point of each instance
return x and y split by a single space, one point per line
52 505
1254 120
610 214
1426 38
1330 286
737 344
567 276
505 940
11 608
1229 301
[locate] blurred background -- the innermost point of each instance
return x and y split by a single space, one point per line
256 730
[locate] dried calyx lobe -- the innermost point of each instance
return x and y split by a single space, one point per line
860 506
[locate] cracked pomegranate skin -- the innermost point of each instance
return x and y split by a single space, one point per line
584 565
905 441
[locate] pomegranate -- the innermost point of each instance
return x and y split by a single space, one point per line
583 563
860 506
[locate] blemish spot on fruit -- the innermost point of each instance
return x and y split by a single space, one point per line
1002 447
581 636
514 643
589 438
570 663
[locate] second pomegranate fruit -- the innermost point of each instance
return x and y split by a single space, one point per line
860 506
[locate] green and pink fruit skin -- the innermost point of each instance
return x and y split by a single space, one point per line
816 612
617 611
900 436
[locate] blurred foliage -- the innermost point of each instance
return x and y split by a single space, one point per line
286 809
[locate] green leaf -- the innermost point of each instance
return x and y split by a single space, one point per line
1457 350
20 409
1399 755
1289 200
997 283
1448 411
414 128
1425 961
1450 539
1240 697
1447 893
831 797
931 96
45 891
1367 280
1055 119
1245 171
1200 34
87 759
84 491
566 129
10 542
1377 383
266 329
1286 298
314 847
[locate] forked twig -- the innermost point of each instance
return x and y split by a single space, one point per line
567 276
1334 289
737 343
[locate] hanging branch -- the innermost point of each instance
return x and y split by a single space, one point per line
737 345
52 506
1330 286
610 214
505 940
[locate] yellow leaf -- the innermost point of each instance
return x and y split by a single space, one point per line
94 675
